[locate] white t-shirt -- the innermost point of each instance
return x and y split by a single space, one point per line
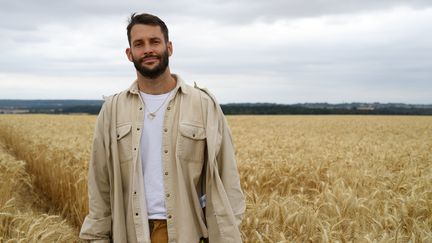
151 154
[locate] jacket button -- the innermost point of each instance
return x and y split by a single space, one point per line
167 195
169 216
165 129
138 129
136 214
140 108
166 151
168 108
166 173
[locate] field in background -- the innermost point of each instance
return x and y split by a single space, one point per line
317 178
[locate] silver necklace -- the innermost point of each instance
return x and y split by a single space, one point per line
151 115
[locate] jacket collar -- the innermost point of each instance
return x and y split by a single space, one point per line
181 85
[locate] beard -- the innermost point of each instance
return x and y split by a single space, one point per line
154 72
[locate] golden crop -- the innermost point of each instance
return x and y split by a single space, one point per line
305 178
23 217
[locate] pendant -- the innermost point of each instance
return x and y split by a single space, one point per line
151 116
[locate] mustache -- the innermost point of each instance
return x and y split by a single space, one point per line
149 55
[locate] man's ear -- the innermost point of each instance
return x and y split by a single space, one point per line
129 54
170 48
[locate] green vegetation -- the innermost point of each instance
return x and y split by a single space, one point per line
93 107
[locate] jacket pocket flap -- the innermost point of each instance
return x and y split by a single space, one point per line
192 132
123 131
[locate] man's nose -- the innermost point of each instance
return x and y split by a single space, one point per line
148 49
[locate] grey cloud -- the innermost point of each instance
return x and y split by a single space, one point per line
26 12
280 9
340 72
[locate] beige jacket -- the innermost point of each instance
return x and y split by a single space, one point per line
196 138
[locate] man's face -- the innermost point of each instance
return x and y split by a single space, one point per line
149 52
149 71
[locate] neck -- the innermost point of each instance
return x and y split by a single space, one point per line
160 85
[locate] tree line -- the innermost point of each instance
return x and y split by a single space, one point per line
94 106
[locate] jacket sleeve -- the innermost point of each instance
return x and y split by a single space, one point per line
97 224
228 171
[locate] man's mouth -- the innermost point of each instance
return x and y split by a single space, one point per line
150 60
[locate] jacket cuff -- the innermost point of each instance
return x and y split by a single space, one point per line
96 230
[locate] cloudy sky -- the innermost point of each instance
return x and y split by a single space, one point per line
284 51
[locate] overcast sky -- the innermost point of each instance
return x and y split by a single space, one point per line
284 51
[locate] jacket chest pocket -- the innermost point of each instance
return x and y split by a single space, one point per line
124 142
191 143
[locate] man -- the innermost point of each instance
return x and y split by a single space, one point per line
163 166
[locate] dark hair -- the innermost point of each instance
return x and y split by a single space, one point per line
146 19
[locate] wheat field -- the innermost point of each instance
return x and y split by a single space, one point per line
305 178
24 215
